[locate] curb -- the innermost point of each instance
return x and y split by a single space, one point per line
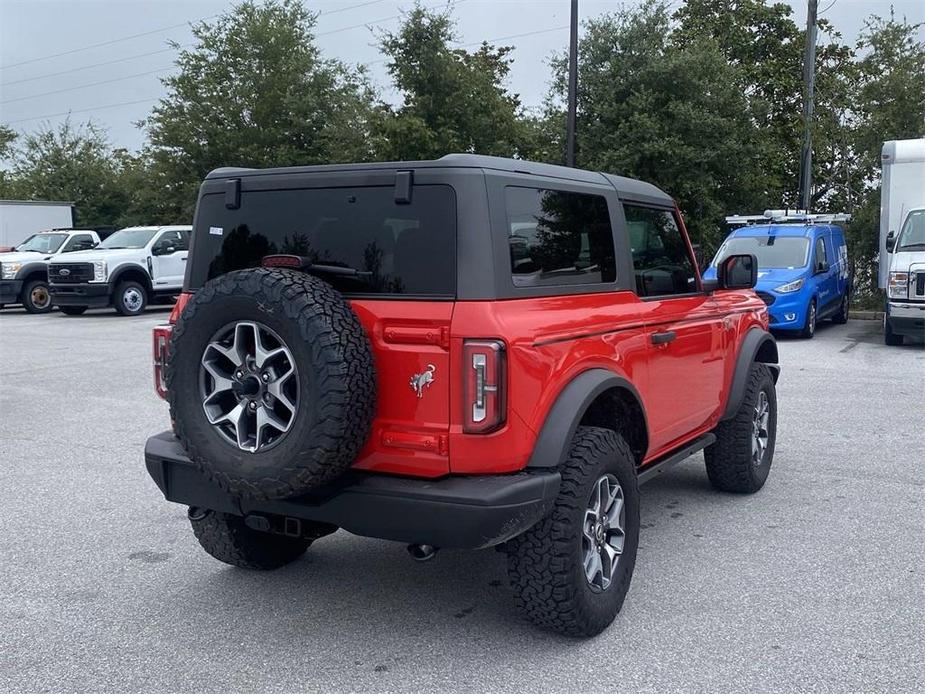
866 315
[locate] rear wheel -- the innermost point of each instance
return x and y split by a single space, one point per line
229 539
809 326
841 317
740 460
36 298
73 310
571 571
130 298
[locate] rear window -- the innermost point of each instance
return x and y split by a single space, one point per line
407 249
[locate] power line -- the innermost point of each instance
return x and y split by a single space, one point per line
85 110
158 31
84 86
87 67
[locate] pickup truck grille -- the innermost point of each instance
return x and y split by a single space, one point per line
65 273
766 298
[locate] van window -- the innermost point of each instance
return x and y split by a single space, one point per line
661 260
912 235
820 253
557 237
399 248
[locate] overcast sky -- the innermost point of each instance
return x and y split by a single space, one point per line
37 85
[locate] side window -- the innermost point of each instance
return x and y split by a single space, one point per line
821 258
80 242
661 261
182 240
559 238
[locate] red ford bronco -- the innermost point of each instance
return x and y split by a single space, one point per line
468 352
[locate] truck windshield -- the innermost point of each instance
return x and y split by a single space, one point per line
42 243
913 233
772 251
129 238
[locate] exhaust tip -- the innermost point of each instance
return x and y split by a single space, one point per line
422 552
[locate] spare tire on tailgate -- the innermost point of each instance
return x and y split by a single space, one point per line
271 382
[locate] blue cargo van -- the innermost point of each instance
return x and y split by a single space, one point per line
803 273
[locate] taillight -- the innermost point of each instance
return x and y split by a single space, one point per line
484 386
161 337
161 354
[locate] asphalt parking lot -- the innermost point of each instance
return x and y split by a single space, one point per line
816 584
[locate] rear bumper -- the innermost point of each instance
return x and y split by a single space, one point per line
93 295
9 291
456 511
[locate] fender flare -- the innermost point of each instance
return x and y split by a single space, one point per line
120 270
33 267
552 444
755 340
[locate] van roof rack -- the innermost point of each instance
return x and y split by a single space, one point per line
788 217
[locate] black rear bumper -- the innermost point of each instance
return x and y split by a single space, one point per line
468 512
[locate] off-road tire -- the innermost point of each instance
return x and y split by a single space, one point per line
118 298
337 382
228 539
889 337
729 460
73 310
812 320
27 302
841 316
545 565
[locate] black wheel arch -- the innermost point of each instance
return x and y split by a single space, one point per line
131 273
596 397
758 345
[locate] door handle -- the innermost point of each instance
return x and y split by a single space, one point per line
663 338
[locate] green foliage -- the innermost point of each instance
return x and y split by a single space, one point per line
72 163
254 91
453 100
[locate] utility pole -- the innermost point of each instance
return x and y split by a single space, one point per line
572 87
809 82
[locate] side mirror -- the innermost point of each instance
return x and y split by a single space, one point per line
890 241
737 272
162 249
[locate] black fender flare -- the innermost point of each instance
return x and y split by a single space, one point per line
116 276
756 340
552 444
32 268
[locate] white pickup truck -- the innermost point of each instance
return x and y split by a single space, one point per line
130 268
24 270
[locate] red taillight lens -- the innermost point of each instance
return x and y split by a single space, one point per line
484 380
161 354
178 307
283 261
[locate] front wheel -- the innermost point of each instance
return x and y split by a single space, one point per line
36 298
571 571
740 459
130 299
809 326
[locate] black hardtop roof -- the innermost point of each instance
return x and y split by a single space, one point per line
627 187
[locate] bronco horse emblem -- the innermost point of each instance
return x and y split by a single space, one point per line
423 380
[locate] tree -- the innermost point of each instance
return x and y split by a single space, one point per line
453 100
254 91
73 163
671 114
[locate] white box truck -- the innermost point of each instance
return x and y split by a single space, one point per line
902 240
19 219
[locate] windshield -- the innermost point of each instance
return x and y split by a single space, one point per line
42 243
772 251
129 238
913 233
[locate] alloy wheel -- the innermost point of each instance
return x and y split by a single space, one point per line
249 386
760 420
603 532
